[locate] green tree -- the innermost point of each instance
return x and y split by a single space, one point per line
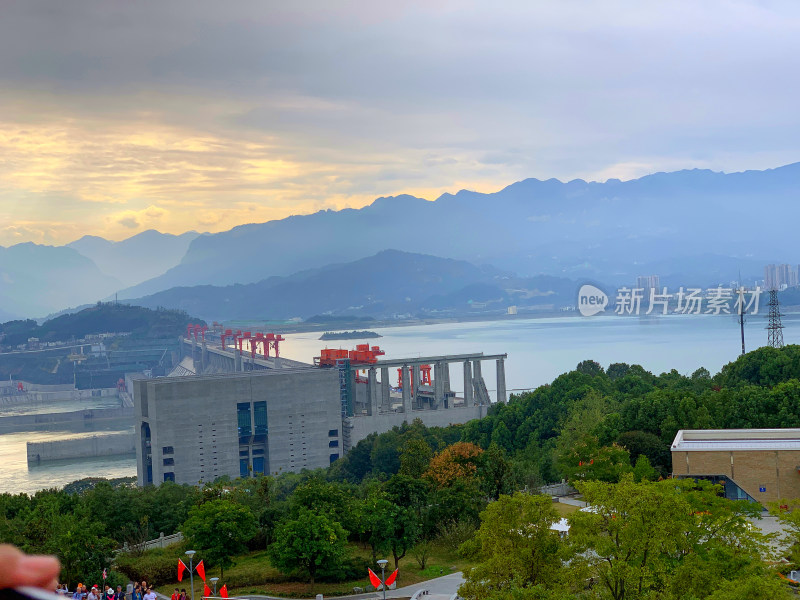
220 529
667 539
515 548
308 541
415 458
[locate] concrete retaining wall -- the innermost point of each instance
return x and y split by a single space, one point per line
85 415
362 426
87 446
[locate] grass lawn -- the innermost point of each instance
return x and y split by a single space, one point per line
564 509
253 574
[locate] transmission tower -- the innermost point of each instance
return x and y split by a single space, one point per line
774 329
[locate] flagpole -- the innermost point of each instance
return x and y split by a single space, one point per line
190 554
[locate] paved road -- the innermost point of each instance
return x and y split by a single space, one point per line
441 588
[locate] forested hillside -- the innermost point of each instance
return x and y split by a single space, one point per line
417 492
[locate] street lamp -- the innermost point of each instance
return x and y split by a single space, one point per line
382 563
190 554
214 580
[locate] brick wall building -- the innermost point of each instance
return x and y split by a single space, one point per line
757 464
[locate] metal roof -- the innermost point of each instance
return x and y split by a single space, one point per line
688 440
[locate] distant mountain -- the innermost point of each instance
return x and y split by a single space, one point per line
138 258
609 231
387 284
36 280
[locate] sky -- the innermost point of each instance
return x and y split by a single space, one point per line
117 117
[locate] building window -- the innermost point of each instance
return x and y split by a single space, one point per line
169 462
167 450
333 444
257 451
244 421
333 457
333 433
244 453
258 464
169 477
260 418
244 470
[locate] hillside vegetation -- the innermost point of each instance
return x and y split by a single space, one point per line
418 495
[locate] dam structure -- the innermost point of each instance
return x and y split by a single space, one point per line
237 413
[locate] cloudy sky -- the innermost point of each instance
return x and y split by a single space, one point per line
116 117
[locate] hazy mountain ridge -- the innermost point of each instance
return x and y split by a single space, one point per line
387 284
574 229
36 280
143 256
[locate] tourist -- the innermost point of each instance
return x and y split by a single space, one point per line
80 592
137 593
108 594
120 595
176 595
150 595
93 594
183 593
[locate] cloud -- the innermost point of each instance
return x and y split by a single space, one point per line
222 114
129 222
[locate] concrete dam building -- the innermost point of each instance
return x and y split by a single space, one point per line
196 429
291 416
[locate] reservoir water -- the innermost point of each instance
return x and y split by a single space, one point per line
538 351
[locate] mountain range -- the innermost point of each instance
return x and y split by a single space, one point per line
388 284
694 227
609 231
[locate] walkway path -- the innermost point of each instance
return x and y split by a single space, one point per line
441 588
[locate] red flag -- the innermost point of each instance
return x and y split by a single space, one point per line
206 591
201 570
181 569
223 593
390 579
374 579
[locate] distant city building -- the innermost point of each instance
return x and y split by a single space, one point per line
647 283
762 465
780 277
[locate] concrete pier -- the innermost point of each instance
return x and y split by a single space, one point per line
501 381
468 385
87 446
406 380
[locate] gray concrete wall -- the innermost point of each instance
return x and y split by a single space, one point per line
361 427
197 418
86 446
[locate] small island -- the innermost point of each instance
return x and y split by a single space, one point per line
349 335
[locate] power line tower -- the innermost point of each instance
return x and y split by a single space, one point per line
775 328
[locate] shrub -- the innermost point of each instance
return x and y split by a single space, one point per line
155 566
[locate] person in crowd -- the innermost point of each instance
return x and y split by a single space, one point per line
119 594
150 595
79 592
183 593
176 595
108 594
93 594
137 592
